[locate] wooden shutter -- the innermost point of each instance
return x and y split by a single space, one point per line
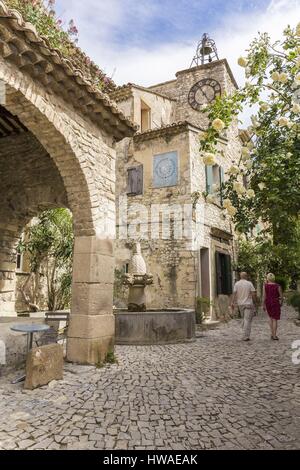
139 179
209 178
218 273
222 180
228 275
223 274
135 180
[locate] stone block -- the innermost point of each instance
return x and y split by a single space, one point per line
93 245
7 285
93 268
92 299
89 351
43 365
86 326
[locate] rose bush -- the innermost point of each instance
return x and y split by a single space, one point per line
271 163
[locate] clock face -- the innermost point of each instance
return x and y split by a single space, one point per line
204 92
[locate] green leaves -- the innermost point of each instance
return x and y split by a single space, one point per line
44 18
273 77
49 244
271 70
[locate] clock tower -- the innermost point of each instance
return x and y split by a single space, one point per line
206 79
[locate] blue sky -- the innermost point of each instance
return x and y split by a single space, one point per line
151 22
147 41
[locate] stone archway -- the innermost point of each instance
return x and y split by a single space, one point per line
71 129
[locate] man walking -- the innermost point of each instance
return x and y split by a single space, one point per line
244 296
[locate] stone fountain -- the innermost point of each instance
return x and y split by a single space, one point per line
137 325
137 279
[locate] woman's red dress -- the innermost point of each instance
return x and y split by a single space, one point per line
272 300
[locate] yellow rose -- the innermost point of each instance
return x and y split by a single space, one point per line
226 203
255 122
261 186
275 76
245 152
231 211
297 80
296 108
283 121
239 188
209 159
233 170
242 62
264 107
283 77
250 193
218 124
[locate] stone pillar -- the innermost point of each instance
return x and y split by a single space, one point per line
8 243
92 325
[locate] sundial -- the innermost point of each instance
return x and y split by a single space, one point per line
165 169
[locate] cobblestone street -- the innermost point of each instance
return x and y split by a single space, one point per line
215 393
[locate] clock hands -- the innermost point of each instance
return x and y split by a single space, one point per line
204 94
208 89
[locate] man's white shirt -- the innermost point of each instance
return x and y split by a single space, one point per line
244 290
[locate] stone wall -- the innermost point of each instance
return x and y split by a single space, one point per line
162 109
179 89
176 264
65 159
169 260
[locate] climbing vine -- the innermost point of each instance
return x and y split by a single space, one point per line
270 162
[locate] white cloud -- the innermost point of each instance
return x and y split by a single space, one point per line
147 65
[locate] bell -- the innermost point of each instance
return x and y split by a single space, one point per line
206 49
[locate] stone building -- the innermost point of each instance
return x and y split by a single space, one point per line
57 149
189 250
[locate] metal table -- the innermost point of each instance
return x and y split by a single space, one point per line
30 329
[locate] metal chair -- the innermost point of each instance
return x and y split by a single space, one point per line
55 334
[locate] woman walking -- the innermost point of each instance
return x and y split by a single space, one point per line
272 301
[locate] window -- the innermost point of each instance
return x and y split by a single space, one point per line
19 261
214 179
135 180
223 274
145 117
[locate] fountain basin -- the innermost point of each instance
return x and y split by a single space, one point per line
154 326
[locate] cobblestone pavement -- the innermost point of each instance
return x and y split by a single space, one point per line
215 393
